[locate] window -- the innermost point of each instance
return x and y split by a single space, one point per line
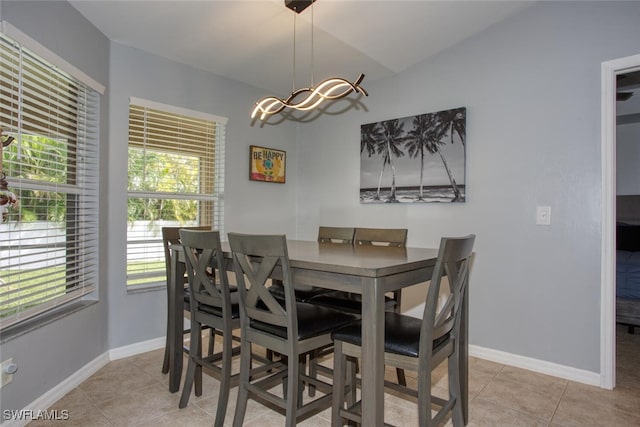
49 241
176 178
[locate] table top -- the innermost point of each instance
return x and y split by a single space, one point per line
363 260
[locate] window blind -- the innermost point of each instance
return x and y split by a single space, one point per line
49 242
175 178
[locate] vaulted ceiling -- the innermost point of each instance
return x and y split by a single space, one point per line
252 41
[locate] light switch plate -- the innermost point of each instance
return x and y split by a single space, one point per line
543 215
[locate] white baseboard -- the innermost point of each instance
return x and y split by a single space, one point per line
136 348
524 362
536 365
56 393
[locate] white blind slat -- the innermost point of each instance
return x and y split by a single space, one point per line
48 245
174 180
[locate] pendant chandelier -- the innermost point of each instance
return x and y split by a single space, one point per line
307 98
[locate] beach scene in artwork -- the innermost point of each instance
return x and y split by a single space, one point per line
416 159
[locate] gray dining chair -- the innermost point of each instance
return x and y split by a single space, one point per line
339 235
171 236
290 328
415 344
396 237
213 305
336 236
351 302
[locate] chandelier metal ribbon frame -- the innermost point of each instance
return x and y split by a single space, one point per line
330 89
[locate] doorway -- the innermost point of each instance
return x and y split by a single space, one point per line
610 71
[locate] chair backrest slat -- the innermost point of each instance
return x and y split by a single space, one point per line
342 235
171 236
256 258
381 236
204 263
454 258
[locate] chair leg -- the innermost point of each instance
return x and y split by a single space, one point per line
198 376
245 375
313 370
424 399
212 340
401 378
225 379
165 361
292 396
302 364
194 350
338 384
397 295
352 364
454 387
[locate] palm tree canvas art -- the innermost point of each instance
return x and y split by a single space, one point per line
414 159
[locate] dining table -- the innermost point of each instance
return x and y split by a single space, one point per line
371 271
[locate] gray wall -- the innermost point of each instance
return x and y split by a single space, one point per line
531 86
50 354
135 317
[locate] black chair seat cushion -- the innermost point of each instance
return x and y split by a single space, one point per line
401 334
313 320
303 292
235 307
347 301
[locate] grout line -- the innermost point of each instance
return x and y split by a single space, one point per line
564 391
95 407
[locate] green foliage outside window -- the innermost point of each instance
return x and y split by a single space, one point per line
39 159
154 171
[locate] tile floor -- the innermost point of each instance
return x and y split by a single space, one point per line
132 391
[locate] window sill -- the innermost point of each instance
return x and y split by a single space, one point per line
43 319
152 287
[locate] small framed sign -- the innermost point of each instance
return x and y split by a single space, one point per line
267 164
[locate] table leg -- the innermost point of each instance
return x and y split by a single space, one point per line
464 356
372 355
176 321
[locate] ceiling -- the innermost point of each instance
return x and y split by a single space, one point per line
252 41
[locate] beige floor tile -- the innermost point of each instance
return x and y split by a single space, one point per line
130 407
526 398
478 380
80 410
117 376
484 413
191 416
537 382
484 366
622 398
400 415
583 412
210 404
